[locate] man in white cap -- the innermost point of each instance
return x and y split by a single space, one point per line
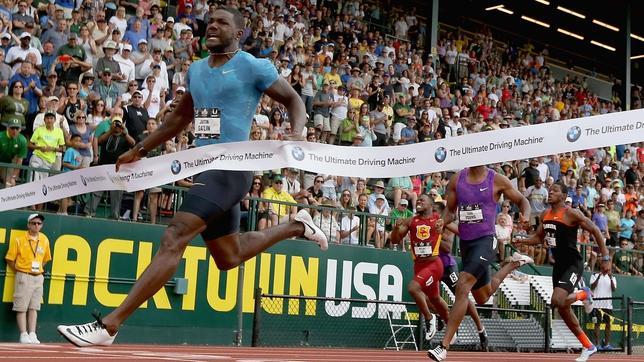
127 67
16 55
51 105
26 256
135 116
138 57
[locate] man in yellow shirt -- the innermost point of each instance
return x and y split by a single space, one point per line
45 142
279 212
27 255
333 78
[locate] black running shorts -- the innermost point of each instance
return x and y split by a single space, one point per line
215 197
567 273
477 255
450 277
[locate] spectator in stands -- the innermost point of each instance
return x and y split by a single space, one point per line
32 89
377 223
135 115
327 222
322 103
279 212
13 149
399 188
72 160
13 105
603 285
45 143
107 89
17 54
58 36
623 260
113 140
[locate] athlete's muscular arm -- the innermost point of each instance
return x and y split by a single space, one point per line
450 195
400 230
577 217
174 123
282 92
536 238
504 186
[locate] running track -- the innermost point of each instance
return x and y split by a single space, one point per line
58 352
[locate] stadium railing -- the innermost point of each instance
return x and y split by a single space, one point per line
635 323
312 321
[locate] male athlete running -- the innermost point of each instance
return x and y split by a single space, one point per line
222 94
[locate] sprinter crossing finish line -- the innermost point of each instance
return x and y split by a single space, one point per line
223 110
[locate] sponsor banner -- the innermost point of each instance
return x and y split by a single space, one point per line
421 158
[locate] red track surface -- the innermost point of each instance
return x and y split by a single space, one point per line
57 352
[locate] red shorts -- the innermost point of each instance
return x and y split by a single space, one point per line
429 274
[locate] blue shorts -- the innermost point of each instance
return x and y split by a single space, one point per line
215 197
477 255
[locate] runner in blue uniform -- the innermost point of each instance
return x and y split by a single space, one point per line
223 92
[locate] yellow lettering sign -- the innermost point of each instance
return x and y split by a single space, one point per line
105 250
215 276
192 255
305 281
76 264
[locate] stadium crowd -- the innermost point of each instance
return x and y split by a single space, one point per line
84 81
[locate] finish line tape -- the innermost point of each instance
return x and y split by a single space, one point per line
373 162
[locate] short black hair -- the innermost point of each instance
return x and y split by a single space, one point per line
238 18
562 187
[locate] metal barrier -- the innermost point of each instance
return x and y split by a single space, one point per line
618 318
311 321
634 306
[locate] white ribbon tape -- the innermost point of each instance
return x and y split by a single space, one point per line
421 158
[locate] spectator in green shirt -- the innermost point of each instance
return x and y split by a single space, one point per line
402 110
13 149
623 259
348 127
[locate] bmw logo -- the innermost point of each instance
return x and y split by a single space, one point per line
44 190
83 180
573 134
175 167
440 155
298 153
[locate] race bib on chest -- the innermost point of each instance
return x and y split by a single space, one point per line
35 266
423 250
207 122
551 241
470 214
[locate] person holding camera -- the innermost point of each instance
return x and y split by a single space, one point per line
112 143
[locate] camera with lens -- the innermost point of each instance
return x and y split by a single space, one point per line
118 124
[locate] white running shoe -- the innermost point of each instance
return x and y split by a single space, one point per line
522 259
88 334
34 338
24 338
430 328
312 231
586 353
437 354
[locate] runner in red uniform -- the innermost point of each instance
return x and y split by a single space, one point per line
425 231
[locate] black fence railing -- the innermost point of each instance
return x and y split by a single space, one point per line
635 326
312 321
